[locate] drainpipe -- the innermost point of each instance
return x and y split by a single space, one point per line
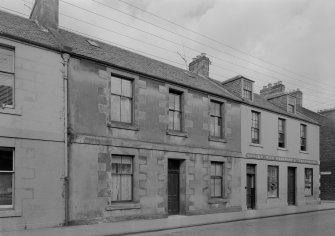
66 58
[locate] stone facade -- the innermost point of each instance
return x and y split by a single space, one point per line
34 130
327 154
94 139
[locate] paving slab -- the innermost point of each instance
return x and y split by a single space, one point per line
172 222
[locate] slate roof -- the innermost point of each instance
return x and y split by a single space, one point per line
20 28
26 30
260 102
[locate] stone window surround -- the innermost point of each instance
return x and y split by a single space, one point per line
224 199
135 202
135 80
16 210
224 120
183 92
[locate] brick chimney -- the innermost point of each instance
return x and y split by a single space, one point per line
298 96
200 65
271 89
45 13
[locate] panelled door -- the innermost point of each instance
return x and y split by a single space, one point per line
291 186
251 186
173 186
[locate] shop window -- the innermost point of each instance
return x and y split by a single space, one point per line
122 178
6 178
6 77
217 179
308 181
273 176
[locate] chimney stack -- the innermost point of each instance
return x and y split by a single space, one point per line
271 89
45 13
200 65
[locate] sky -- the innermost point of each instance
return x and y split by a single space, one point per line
267 41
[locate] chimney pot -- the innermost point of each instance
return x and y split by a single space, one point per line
200 65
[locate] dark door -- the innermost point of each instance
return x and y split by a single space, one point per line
291 186
251 186
173 186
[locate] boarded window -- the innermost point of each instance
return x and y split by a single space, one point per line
6 77
273 182
121 100
217 179
247 90
216 124
281 133
308 181
122 178
255 127
303 135
6 178
175 111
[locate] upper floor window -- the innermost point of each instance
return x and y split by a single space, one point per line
215 119
6 77
291 105
308 181
303 135
281 133
6 178
273 180
247 90
122 178
255 127
216 179
121 100
175 111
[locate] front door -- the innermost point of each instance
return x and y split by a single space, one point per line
173 186
291 185
251 186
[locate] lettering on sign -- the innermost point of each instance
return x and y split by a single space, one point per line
281 159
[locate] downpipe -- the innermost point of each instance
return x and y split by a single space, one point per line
66 194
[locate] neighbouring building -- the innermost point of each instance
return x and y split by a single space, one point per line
102 134
31 126
327 153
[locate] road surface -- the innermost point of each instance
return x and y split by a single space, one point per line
321 223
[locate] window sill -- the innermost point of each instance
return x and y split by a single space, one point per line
10 213
217 200
177 133
123 206
282 149
304 152
256 145
273 197
122 126
217 139
11 111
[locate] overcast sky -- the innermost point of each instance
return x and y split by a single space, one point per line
292 41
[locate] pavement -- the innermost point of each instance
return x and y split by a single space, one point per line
172 222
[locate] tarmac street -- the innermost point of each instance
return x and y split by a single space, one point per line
321 223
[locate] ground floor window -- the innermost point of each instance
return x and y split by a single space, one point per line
273 185
6 177
216 179
122 178
308 181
